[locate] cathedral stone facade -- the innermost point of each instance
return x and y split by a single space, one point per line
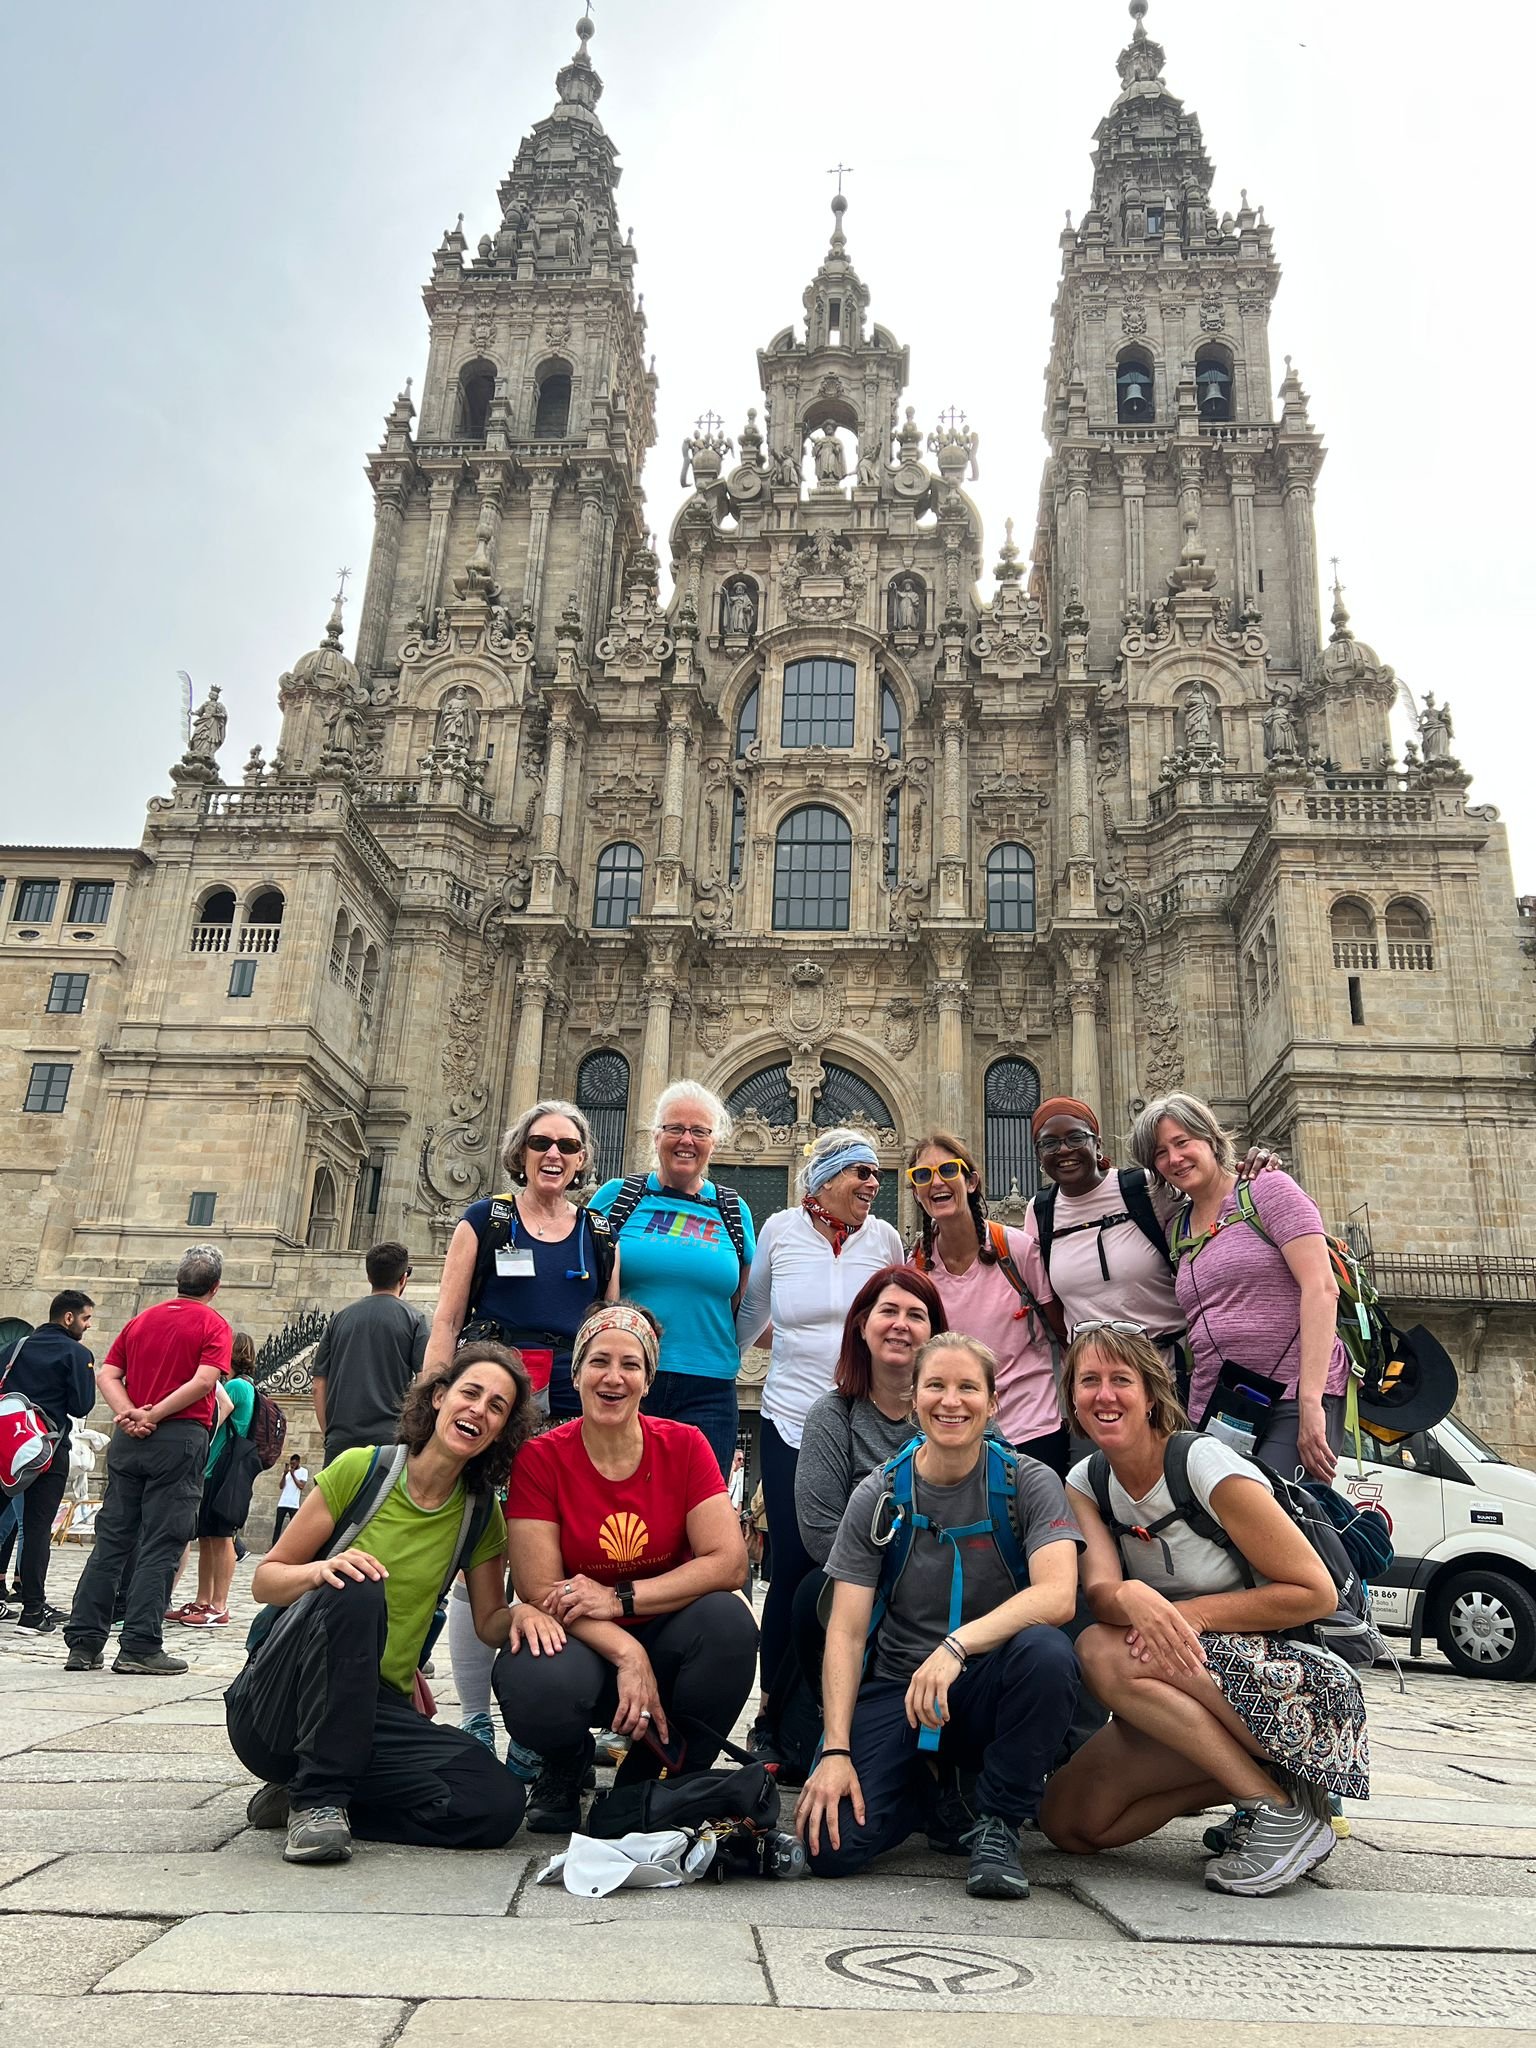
828 829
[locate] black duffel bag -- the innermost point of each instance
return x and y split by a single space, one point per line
690 1801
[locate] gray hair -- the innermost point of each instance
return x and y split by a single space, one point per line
200 1271
826 1141
1191 1115
515 1144
676 1093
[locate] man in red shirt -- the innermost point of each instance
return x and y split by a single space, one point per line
158 1379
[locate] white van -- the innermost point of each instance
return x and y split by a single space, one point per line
1464 1529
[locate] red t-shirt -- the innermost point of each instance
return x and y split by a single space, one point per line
161 1349
612 1529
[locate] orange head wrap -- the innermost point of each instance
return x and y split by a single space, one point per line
1062 1105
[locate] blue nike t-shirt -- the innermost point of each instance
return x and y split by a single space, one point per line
676 1259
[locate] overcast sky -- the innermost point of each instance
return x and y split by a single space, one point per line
217 221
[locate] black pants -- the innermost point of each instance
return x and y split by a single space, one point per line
308 1711
1009 1711
284 1517
704 1658
791 1560
39 1504
154 1484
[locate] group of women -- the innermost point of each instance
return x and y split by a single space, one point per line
912 1401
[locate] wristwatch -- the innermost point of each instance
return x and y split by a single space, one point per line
625 1588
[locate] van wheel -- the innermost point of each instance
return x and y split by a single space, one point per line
1488 1626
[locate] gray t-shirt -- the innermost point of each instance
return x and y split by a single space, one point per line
842 1441
917 1619
368 1356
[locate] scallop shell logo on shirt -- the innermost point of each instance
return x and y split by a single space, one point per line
623 1538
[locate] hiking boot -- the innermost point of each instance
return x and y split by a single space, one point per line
44 1620
996 1870
1229 1834
950 1815
267 1807
82 1659
482 1728
1284 1843
554 1805
320 1834
153 1664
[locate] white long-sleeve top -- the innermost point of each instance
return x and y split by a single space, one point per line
798 1286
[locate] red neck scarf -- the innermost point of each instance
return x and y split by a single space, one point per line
841 1231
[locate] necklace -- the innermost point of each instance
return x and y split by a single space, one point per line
538 1229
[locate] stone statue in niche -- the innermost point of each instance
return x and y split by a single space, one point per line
740 609
869 468
210 722
831 463
786 469
1282 736
1199 724
906 606
458 722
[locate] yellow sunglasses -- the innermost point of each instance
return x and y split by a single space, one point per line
947 1169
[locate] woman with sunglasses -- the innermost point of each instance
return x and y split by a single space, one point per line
810 1263
993 1287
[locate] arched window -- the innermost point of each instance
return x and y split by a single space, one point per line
1213 382
1134 401
746 722
1410 945
620 869
1010 888
892 838
263 925
1011 1095
818 704
738 833
477 387
368 983
324 1223
845 1097
812 863
890 721
766 1094
552 404
602 1090
353 975
1353 927
215 917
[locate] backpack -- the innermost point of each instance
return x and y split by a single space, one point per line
1348 1632
497 1235
268 1430
1362 1322
228 1487
28 1440
633 1189
897 1509
1137 1209
997 1238
386 1469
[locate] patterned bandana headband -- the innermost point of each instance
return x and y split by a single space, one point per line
858 1152
616 1317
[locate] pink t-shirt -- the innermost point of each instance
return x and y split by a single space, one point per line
1240 1299
1140 1285
983 1303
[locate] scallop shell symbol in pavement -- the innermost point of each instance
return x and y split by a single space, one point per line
623 1538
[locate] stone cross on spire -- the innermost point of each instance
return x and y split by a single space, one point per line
840 171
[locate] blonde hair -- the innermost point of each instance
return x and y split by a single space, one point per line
1125 1347
1191 1115
957 1340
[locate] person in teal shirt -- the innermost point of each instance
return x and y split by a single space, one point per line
236 1401
685 1244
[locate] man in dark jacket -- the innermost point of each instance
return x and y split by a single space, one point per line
56 1372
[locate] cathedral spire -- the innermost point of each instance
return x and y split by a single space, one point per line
577 82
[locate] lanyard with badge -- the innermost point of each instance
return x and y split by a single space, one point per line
514 1261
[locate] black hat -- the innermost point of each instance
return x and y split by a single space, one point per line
1418 1386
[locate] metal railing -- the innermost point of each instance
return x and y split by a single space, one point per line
1464 1277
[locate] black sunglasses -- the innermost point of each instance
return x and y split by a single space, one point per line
538 1142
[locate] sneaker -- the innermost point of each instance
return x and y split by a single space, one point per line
320 1834
214 1617
1284 1843
82 1659
996 1871
153 1664
43 1620
180 1613
482 1728
554 1805
1229 1834
611 1749
194 1614
267 1807
950 1816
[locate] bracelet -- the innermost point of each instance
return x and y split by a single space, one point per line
835 1752
957 1651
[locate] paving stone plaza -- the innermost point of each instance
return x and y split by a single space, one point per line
138 1906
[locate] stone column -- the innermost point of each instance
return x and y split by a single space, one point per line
441 504
661 955
535 987
541 495
950 997
547 857
669 866
590 550
1083 1000
1240 472
388 522
1301 557
1079 461
1133 500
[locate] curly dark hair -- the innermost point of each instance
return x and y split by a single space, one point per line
488 1470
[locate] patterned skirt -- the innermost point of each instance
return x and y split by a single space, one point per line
1302 1706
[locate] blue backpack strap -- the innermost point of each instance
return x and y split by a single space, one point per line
1003 1507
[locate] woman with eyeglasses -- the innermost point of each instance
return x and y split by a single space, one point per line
687 1244
994 1288
811 1261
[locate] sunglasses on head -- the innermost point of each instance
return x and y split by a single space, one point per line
538 1142
1127 1329
947 1169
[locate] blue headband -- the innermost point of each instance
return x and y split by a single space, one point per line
859 1153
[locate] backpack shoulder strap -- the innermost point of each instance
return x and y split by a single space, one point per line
1098 1479
626 1201
384 1472
495 1237
1004 1508
473 1524
601 1234
1045 1222
1138 1206
16 1351
728 1202
1248 1209
998 1237
896 1504
1187 1508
